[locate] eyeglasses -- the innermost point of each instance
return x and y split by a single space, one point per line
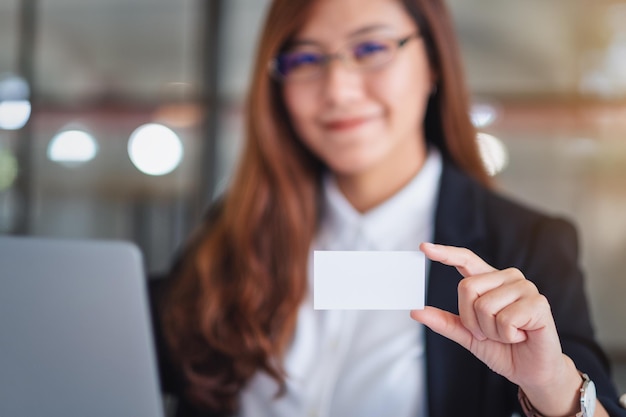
308 62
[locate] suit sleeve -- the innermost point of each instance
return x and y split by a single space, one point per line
553 265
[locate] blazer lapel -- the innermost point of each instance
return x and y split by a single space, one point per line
454 375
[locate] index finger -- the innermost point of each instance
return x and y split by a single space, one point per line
464 260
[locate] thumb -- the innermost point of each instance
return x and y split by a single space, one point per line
445 323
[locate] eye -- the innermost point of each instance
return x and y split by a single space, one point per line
299 61
369 49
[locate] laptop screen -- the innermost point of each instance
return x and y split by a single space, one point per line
75 331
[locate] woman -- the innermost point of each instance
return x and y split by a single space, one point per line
358 138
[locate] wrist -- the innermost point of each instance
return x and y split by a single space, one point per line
586 404
557 398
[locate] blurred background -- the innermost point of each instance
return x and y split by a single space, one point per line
121 119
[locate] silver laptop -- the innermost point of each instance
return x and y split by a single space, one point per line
75 331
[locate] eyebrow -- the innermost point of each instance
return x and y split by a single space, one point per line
368 29
361 31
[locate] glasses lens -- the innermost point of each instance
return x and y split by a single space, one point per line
299 65
372 53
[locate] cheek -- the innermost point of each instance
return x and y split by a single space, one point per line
405 93
300 106
302 110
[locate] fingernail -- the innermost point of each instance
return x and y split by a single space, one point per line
429 246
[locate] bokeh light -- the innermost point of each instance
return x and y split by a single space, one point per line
15 107
14 114
8 169
72 147
155 149
483 114
493 152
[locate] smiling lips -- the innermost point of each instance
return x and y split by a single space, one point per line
345 124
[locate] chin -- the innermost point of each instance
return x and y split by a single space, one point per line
352 167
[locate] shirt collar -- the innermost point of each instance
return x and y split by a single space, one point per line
389 225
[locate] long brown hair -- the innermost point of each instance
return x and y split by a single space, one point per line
233 297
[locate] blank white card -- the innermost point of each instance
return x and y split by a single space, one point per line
368 280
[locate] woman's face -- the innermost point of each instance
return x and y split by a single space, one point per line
358 120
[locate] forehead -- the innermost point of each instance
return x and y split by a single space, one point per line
333 21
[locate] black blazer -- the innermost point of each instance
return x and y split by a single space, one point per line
505 234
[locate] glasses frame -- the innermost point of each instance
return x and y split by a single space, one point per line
342 55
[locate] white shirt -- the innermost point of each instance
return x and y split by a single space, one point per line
357 363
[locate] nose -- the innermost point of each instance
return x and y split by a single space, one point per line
341 83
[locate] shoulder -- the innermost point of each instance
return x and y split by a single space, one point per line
505 213
528 236
508 231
